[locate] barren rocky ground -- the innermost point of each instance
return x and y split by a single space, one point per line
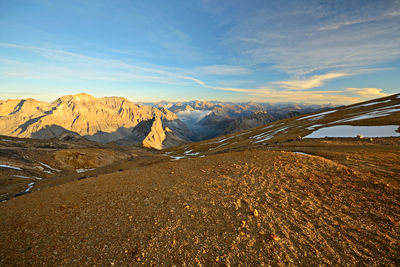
266 206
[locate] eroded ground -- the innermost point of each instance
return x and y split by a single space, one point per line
258 207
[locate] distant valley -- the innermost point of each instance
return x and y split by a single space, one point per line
208 119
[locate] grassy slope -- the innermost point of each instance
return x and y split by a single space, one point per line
290 129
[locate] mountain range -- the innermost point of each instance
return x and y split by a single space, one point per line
209 119
153 125
107 119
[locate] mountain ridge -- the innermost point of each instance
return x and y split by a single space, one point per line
97 119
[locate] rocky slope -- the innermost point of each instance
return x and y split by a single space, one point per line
103 120
374 118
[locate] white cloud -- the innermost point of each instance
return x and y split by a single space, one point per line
312 82
368 92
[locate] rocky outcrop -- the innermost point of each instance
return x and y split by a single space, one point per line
103 120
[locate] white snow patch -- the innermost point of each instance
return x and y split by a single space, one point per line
190 153
374 103
26 177
317 116
21 176
49 172
84 170
5 140
269 126
301 153
353 131
30 185
381 112
267 135
312 127
39 168
47 166
265 138
10 167
177 157
221 140
213 148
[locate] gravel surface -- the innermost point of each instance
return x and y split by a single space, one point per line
253 208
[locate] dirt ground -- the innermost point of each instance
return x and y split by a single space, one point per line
256 207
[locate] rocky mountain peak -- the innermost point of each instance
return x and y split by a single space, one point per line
104 120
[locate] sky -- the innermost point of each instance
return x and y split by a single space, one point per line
336 52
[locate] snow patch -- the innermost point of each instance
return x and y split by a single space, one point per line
317 116
380 112
213 148
353 131
374 103
30 185
48 167
10 167
84 170
190 153
301 153
177 157
312 127
26 177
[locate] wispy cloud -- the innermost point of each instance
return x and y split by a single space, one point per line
308 83
64 65
321 42
367 92
223 70
317 97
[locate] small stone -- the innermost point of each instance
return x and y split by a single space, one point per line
112 263
130 218
173 242
274 237
255 213
243 224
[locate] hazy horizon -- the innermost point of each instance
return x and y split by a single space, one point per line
333 52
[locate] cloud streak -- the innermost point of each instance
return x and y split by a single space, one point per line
323 41
312 82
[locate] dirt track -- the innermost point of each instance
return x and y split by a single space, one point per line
253 207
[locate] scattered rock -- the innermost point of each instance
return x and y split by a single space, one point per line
274 237
255 213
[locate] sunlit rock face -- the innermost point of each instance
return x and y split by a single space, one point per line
103 120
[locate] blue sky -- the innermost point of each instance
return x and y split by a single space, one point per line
267 51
